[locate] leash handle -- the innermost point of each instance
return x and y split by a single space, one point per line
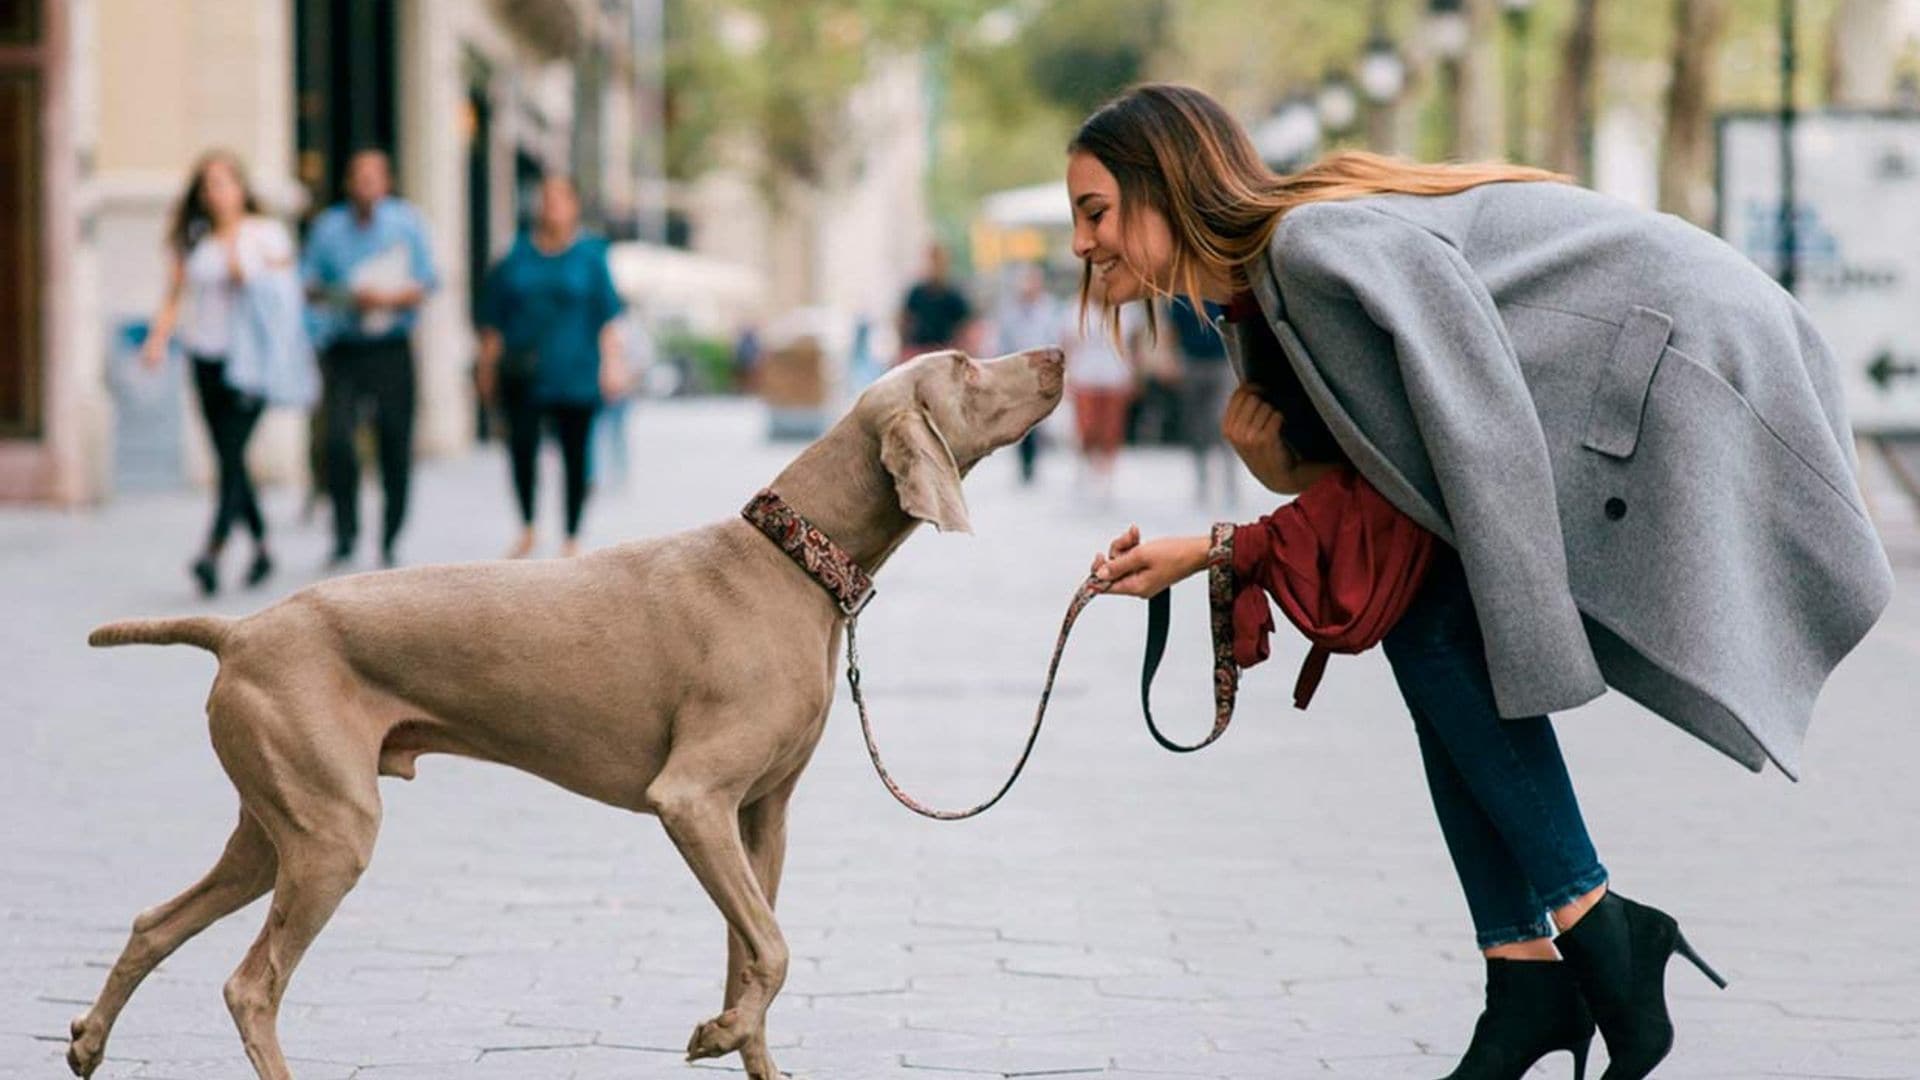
1226 674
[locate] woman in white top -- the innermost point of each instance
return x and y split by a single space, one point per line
217 241
1100 375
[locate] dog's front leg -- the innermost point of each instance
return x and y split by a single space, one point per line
763 828
704 823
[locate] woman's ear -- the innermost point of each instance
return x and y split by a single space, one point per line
925 477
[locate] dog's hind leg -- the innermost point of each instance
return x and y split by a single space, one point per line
763 829
244 871
321 858
704 823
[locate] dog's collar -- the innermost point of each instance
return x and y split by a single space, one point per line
826 562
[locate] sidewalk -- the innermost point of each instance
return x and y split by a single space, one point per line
1278 906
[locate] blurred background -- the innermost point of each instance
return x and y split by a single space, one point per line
772 173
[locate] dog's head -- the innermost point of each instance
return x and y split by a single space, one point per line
938 414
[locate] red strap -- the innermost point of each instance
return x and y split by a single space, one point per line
1309 678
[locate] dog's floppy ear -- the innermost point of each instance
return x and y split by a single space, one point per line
925 475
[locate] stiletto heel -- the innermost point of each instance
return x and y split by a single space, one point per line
1619 952
1580 1058
1680 945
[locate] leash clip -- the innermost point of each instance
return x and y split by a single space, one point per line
852 608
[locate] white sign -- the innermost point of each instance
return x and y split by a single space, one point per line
1857 219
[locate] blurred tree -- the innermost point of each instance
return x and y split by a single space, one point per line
1861 53
1479 101
1079 55
1686 151
1570 140
779 72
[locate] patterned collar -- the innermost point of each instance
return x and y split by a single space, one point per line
826 562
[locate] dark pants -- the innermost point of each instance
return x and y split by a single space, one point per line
362 377
1029 455
571 426
1205 387
1505 802
231 417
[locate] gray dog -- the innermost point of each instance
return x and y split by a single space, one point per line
687 677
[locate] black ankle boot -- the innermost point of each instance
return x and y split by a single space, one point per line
206 573
1534 1008
1618 952
261 569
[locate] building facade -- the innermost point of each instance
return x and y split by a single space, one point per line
106 104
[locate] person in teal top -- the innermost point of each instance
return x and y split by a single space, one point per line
549 348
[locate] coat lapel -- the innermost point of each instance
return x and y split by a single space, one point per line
1380 471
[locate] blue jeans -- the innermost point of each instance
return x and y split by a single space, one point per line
1505 802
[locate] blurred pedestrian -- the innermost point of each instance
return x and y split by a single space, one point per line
368 269
1102 374
219 244
935 313
610 454
1027 319
550 350
1206 380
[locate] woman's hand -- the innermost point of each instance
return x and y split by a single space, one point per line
486 371
614 382
153 352
1134 568
1252 427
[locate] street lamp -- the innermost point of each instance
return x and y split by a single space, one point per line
1447 36
1336 104
1447 29
1383 77
1382 73
1286 139
1519 20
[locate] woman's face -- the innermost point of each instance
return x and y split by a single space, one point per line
559 206
1127 259
221 192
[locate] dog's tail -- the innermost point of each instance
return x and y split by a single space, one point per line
205 631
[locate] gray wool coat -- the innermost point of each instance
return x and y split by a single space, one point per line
1633 437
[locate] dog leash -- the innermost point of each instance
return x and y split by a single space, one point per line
1226 674
851 587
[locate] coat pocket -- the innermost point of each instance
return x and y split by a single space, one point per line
1620 398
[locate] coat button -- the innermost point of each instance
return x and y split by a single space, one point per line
1616 509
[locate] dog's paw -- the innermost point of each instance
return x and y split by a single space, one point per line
758 1062
721 1035
88 1046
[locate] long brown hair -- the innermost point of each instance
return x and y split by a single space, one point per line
191 217
1176 150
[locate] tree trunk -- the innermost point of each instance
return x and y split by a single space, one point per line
1571 145
1478 107
1860 53
1686 152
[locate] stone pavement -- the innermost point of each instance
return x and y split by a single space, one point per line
1278 906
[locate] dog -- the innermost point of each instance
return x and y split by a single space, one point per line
687 676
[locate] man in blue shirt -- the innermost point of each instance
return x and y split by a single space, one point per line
367 270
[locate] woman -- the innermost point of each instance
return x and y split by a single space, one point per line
218 241
1100 376
1627 444
549 349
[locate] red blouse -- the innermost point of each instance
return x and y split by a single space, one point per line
1341 561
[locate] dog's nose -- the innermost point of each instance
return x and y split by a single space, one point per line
1048 356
